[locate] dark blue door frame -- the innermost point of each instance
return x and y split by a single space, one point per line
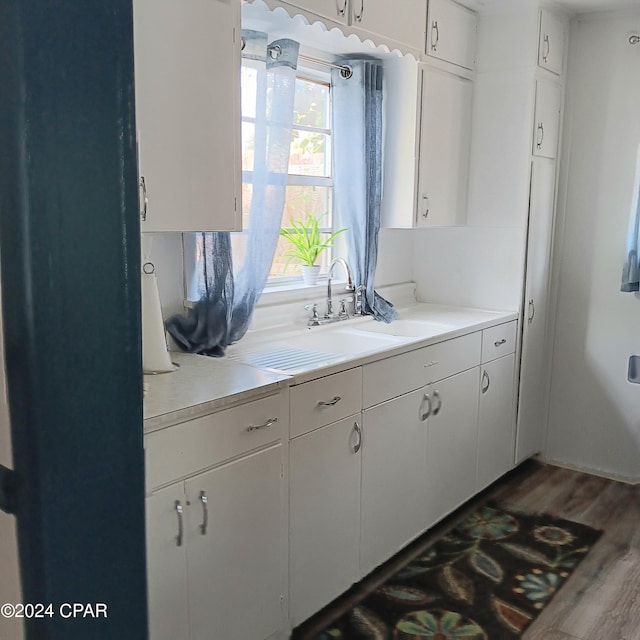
69 248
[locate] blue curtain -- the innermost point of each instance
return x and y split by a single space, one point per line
222 316
631 269
357 161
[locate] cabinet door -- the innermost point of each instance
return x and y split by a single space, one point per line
452 443
234 553
551 43
383 17
187 111
496 424
547 119
445 139
325 515
167 564
337 10
393 477
451 33
533 381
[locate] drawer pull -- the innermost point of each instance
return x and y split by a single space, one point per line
425 414
269 423
433 363
205 513
437 408
358 445
180 536
330 403
498 343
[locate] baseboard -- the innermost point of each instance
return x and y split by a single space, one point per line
594 472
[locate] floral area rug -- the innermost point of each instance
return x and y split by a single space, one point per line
487 579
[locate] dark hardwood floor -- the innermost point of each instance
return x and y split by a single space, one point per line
601 599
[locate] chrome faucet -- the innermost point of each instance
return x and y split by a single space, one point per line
348 287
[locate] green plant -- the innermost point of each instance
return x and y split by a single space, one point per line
306 240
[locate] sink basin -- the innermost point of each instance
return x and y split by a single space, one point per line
406 328
311 349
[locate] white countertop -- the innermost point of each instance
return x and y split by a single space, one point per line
203 384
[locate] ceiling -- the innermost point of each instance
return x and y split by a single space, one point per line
571 6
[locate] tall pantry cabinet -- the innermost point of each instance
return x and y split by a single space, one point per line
515 138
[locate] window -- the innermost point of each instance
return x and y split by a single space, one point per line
310 179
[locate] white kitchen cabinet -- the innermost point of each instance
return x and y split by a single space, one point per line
383 17
325 515
546 119
187 60
445 139
551 42
335 10
533 379
451 444
235 564
496 433
394 436
451 33
167 564
215 553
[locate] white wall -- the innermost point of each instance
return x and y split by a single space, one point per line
470 266
10 628
594 415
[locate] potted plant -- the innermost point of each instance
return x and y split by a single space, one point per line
307 244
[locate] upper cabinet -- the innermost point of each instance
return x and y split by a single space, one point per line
451 33
551 42
336 10
383 17
547 119
445 138
187 59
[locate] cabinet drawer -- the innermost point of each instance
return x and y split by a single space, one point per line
395 376
189 447
499 341
325 400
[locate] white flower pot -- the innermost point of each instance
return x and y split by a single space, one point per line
310 274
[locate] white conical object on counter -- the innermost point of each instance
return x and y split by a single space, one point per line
155 357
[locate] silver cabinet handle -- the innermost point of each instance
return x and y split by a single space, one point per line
265 425
425 414
486 382
437 408
144 201
547 42
358 16
498 343
436 31
341 9
532 311
425 212
205 513
540 138
358 445
330 403
431 363
180 536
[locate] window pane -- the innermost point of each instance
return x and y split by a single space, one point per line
248 84
310 154
248 145
247 194
311 104
302 201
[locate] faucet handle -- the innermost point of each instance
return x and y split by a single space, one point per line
314 320
343 313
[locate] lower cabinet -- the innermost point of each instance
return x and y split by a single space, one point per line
324 467
215 552
452 443
496 434
394 448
